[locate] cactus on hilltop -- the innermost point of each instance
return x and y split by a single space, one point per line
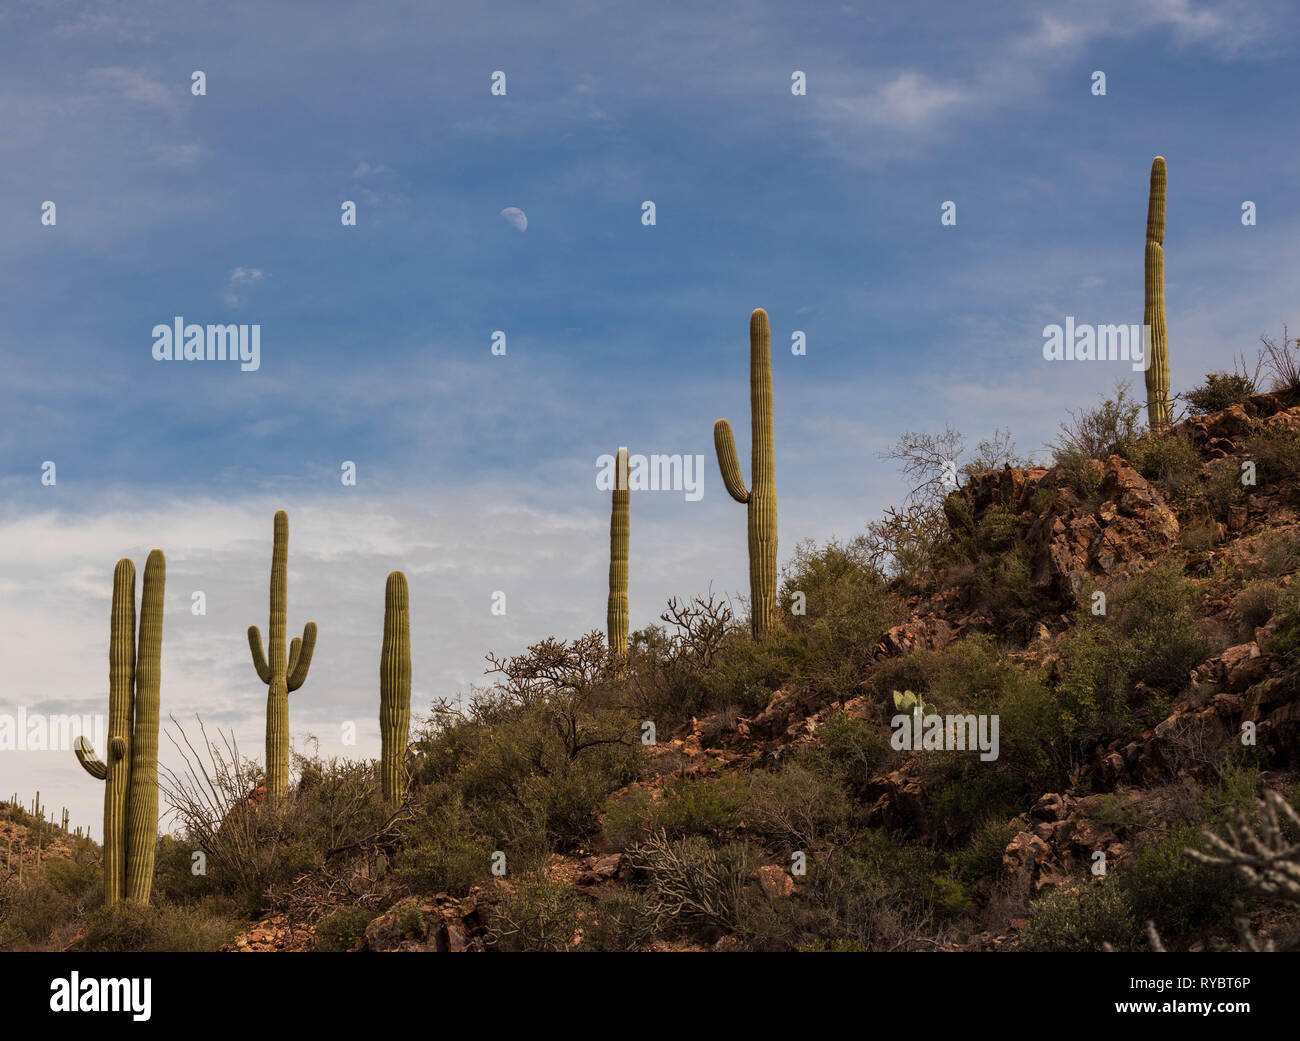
395 687
761 498
286 669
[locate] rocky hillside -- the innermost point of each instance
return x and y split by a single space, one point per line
1129 619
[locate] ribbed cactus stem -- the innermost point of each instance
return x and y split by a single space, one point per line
276 673
130 767
395 687
1153 317
619 532
142 813
121 679
761 499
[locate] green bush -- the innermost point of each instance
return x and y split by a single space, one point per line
707 806
1168 460
1276 453
1083 919
1179 894
439 851
796 807
130 927
342 929
540 914
1220 390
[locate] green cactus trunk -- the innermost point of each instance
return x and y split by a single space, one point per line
130 774
619 531
761 499
121 681
395 687
287 669
142 812
1157 374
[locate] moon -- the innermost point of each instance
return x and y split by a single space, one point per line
516 216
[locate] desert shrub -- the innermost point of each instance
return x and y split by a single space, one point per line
1168 460
174 879
982 857
691 884
257 846
1279 553
1149 635
1083 919
701 662
1111 428
1276 453
1220 390
688 806
1281 359
1257 602
878 892
1165 885
163 928
796 807
855 747
847 607
539 914
343 928
622 923
1285 639
439 851
534 757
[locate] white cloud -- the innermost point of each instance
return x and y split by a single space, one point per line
241 278
134 85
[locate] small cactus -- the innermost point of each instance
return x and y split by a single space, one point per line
1153 315
130 775
395 687
761 499
619 532
286 670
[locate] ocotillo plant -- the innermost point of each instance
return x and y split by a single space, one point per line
761 498
131 773
395 687
286 670
1153 316
619 531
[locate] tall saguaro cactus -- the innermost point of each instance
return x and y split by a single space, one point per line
761 498
1153 315
395 687
130 775
620 527
286 670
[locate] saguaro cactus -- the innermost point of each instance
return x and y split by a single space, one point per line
619 531
130 775
285 671
395 686
1153 316
761 499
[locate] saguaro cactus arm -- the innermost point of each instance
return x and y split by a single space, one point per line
300 656
259 656
728 462
93 765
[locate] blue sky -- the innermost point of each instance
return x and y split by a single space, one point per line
476 473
